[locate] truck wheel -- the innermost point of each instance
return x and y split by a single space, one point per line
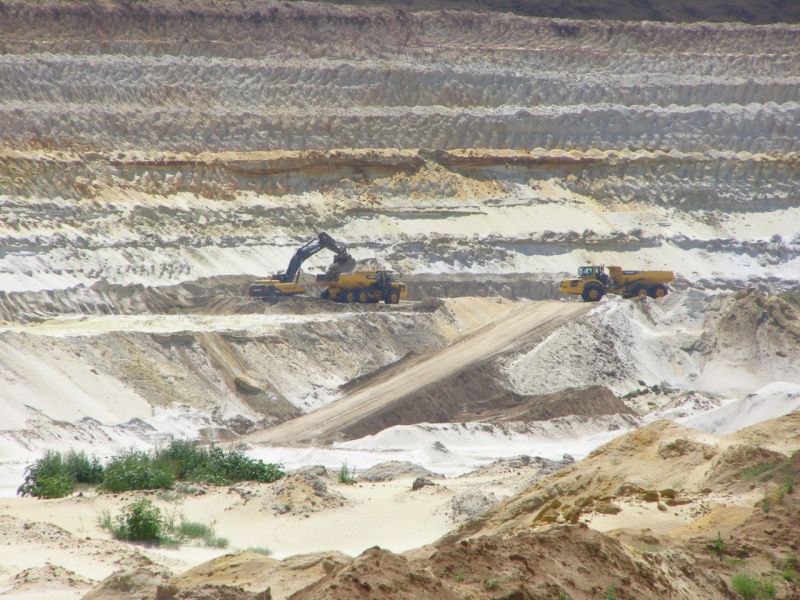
350 297
592 293
361 295
392 298
658 291
639 292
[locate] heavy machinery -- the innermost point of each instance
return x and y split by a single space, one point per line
365 286
285 284
593 283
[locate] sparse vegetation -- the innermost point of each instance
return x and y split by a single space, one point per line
459 576
216 541
259 550
55 474
346 476
750 587
751 473
791 569
718 546
611 592
194 529
491 584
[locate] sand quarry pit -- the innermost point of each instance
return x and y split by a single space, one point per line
486 438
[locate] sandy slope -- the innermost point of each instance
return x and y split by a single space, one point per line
530 319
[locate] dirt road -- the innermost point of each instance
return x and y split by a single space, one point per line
531 319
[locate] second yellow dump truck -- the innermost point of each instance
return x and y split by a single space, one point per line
365 287
593 283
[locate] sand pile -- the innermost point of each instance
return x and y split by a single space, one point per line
305 492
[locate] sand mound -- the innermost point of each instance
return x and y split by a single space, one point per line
130 585
256 572
395 469
303 493
48 577
468 505
377 573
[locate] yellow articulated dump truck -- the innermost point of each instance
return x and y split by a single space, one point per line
593 283
365 287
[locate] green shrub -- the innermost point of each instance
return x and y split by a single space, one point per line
491 584
48 477
135 470
187 461
54 475
138 522
83 468
259 550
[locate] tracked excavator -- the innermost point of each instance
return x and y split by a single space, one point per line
342 285
285 284
593 283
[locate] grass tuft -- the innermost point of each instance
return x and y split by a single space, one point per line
750 587
346 476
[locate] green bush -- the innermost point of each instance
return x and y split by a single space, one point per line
138 522
135 470
259 550
83 468
142 521
187 461
54 475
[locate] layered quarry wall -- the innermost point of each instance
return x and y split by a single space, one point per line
155 143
